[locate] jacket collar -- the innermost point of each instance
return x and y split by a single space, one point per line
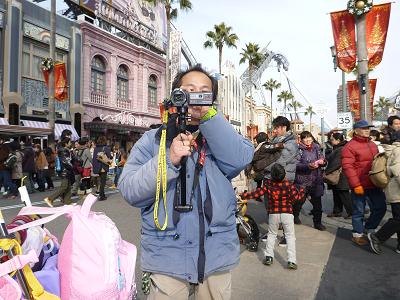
361 139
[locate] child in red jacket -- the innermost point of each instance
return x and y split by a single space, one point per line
281 195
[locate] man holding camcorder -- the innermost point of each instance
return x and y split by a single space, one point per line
198 244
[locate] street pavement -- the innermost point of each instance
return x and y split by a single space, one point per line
330 266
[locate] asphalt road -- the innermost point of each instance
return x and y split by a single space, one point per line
319 270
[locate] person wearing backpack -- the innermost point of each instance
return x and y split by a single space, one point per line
6 156
66 174
357 158
195 248
86 159
101 153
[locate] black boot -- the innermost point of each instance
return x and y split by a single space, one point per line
319 227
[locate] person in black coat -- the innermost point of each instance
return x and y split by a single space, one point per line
101 168
341 194
28 166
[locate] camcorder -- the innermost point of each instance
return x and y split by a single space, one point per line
181 98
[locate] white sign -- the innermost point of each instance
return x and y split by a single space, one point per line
345 120
175 53
397 102
126 118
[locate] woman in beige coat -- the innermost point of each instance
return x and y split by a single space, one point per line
392 192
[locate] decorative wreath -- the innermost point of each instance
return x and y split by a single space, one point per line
359 7
46 64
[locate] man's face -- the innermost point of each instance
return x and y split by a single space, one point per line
196 82
364 132
280 130
396 125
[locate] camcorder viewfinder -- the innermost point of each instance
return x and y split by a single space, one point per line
181 98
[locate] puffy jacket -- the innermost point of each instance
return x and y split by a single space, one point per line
310 179
334 163
392 190
211 223
289 156
357 157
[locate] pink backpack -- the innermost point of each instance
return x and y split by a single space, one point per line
94 262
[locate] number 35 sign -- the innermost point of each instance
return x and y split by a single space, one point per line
345 120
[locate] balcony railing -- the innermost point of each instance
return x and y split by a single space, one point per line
98 98
123 103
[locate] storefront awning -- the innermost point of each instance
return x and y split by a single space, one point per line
57 130
113 126
15 130
4 121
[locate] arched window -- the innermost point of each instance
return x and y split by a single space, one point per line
122 83
152 90
98 75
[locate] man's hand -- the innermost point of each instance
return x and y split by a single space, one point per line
359 190
180 147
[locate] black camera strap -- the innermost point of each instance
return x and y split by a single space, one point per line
201 150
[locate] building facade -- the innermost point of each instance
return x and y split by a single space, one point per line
25 37
122 86
263 118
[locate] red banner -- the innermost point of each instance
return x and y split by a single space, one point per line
46 74
60 82
377 24
343 27
354 97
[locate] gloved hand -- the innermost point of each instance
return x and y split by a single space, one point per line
359 190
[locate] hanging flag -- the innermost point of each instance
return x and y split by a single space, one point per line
377 24
354 98
60 82
343 27
372 87
46 74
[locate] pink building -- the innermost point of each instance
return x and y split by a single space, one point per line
122 86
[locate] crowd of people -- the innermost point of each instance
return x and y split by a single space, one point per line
346 167
76 164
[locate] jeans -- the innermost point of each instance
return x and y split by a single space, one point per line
103 181
391 226
377 202
47 174
287 221
117 174
342 198
5 177
41 180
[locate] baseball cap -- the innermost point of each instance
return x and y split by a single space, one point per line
361 124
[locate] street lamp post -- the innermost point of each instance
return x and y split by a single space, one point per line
344 92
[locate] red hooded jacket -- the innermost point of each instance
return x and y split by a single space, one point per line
357 157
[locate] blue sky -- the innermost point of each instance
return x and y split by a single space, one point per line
301 30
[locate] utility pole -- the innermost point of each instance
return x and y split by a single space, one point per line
344 92
362 68
52 112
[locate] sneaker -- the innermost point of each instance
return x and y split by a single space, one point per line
360 241
113 186
297 220
264 237
48 201
397 248
282 242
252 247
268 260
291 265
374 243
319 227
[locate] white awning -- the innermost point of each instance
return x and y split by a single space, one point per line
4 121
58 128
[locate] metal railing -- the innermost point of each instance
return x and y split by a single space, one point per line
123 103
98 98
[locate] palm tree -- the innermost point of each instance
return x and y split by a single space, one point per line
219 37
284 96
171 13
295 105
253 56
310 112
271 85
381 106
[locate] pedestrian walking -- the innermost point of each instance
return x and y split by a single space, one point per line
66 174
120 166
101 163
341 190
357 157
28 166
10 188
392 193
16 172
309 175
41 167
51 160
86 160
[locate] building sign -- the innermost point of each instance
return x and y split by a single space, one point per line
137 17
43 35
175 53
125 118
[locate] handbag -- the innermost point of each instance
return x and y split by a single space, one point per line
86 172
333 177
103 158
